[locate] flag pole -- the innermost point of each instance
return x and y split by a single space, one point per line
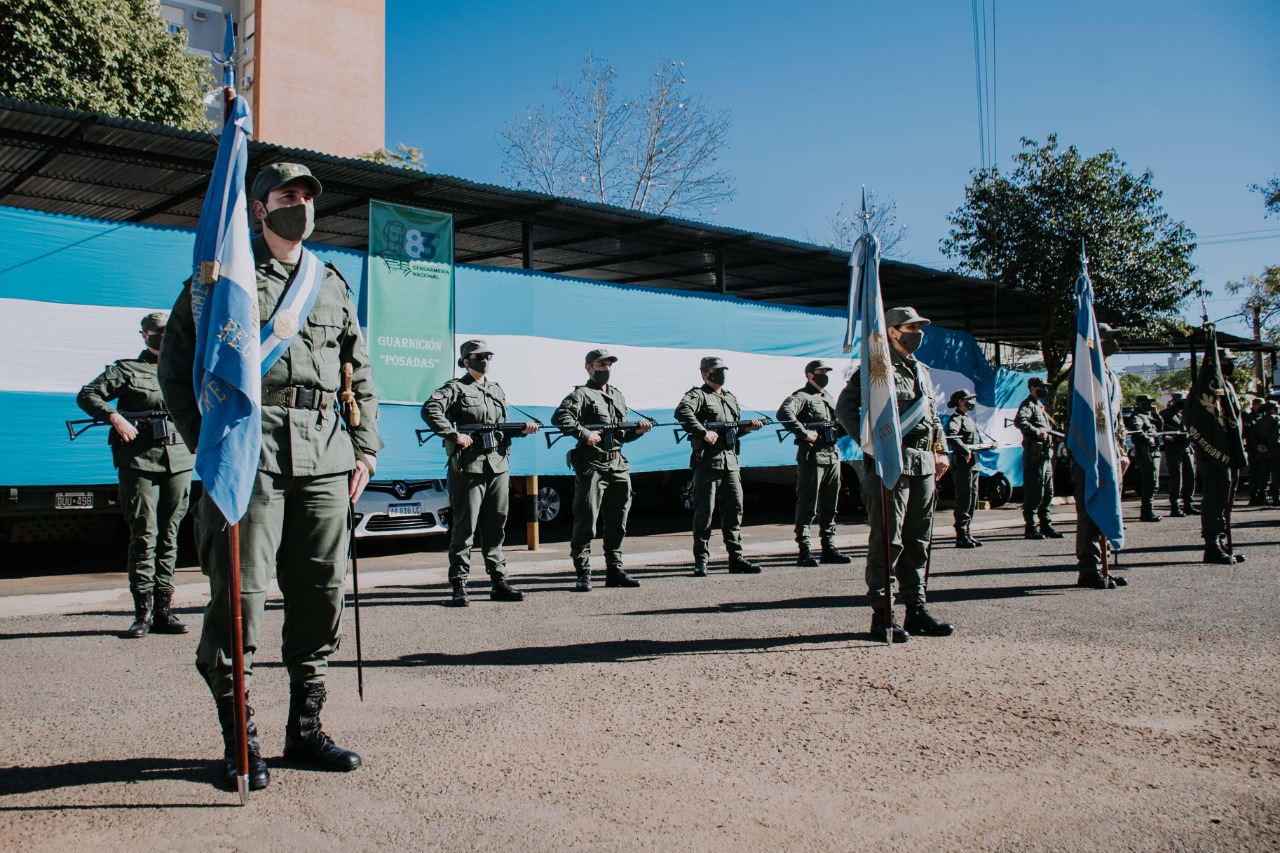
886 495
229 59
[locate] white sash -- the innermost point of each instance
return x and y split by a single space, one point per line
292 312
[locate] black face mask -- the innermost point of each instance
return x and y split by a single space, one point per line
716 377
154 340
600 377
820 380
1109 348
1039 393
1228 367
292 223
479 365
910 341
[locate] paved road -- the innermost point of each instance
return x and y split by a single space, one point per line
731 711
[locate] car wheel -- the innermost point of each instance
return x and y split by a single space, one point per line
554 503
686 494
996 490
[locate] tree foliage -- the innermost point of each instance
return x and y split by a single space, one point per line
1270 195
1263 293
114 57
844 227
1025 230
404 156
657 151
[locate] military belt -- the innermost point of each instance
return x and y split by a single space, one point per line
298 397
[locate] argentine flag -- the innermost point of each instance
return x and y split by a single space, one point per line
1094 408
224 305
881 432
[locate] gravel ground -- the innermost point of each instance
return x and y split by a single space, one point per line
732 712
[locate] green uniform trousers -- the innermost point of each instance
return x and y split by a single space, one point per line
296 527
817 493
1148 463
910 529
965 477
604 495
1219 485
1037 482
1262 470
1182 477
154 504
478 502
1088 536
707 483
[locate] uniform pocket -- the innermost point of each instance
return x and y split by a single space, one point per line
324 333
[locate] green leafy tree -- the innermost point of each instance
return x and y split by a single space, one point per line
1261 292
1025 231
404 156
1131 384
114 57
1270 195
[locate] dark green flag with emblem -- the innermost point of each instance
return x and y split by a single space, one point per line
1213 412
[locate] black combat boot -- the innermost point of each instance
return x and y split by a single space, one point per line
584 581
1029 531
1097 580
1174 512
878 627
742 566
700 567
1236 556
1148 514
920 621
833 556
142 615
460 597
304 739
977 543
1213 553
259 776
963 541
617 576
1047 531
502 590
805 558
1191 509
164 622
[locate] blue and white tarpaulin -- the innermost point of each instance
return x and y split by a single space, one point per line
1095 404
73 305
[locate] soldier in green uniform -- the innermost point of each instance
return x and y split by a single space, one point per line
1258 470
924 462
1266 438
817 462
1219 482
714 462
602 475
1088 534
1035 424
1144 427
962 435
309 473
479 472
1177 454
154 468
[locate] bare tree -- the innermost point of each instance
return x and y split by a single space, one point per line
656 152
844 227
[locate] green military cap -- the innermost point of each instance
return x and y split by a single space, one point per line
903 316
1036 382
276 175
1107 331
1224 354
817 364
1143 398
600 354
155 321
962 394
1177 397
472 346
711 362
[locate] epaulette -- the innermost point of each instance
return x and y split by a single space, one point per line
342 278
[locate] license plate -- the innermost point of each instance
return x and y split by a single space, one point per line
73 500
394 510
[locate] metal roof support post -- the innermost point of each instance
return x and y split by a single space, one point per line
526 241
997 353
1191 344
532 533
721 285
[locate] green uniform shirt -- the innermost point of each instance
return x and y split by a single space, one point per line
1033 422
133 384
591 404
295 442
964 429
1266 431
704 405
809 405
1144 428
1172 419
465 401
911 381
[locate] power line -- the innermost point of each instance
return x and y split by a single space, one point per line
1239 240
1240 233
994 90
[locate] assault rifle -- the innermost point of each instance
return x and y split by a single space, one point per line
1008 422
609 433
154 424
727 430
826 431
484 435
972 448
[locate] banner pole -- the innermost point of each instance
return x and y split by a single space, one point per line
237 665
885 495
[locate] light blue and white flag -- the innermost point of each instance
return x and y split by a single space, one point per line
1095 405
224 305
881 431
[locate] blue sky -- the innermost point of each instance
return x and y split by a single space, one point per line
826 96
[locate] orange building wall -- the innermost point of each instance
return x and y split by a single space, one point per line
319 74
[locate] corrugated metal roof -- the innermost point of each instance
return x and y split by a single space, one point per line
66 161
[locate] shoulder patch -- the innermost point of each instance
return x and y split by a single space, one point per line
329 266
439 395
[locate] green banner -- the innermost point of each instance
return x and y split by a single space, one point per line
410 301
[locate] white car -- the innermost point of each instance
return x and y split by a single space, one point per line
403 508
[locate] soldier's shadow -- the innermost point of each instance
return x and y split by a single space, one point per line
78 774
